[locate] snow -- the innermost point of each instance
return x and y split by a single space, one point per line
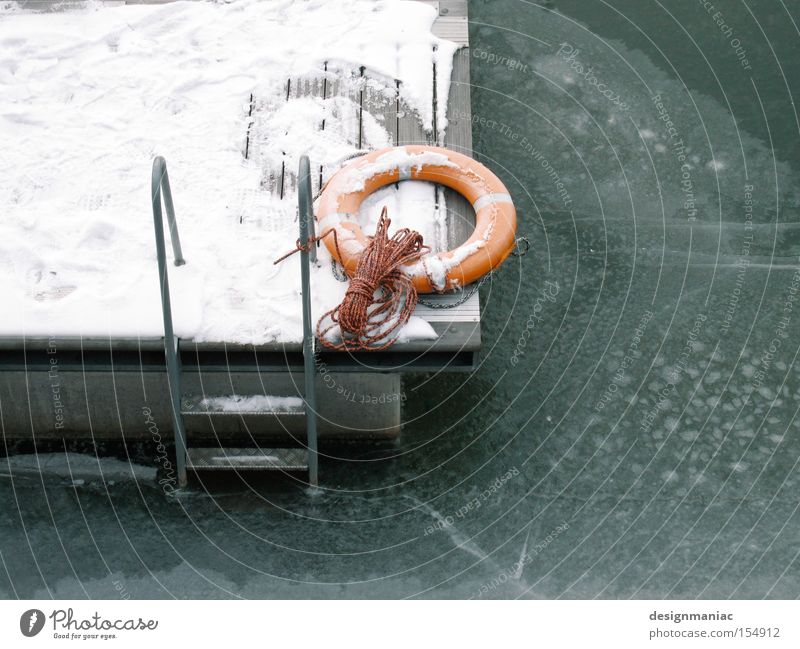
436 266
410 204
399 159
89 97
416 329
245 459
253 403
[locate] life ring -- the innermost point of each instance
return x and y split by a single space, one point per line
495 216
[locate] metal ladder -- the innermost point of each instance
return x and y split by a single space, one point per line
185 409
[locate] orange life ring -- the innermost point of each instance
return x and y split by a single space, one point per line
495 216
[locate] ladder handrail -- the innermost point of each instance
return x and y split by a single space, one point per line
306 219
160 185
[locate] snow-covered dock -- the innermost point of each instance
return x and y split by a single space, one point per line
73 320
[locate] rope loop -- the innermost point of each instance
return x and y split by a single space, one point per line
380 298
305 247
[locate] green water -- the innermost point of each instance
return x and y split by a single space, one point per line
632 429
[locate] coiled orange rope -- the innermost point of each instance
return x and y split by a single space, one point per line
380 298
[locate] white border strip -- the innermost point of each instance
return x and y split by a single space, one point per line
489 199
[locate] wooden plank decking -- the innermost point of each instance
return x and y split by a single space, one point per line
458 327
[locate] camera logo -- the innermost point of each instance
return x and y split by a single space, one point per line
31 622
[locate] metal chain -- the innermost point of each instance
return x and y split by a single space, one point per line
338 271
475 287
461 300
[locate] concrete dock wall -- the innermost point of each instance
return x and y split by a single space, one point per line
44 404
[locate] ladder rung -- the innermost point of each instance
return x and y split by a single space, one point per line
262 459
230 405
